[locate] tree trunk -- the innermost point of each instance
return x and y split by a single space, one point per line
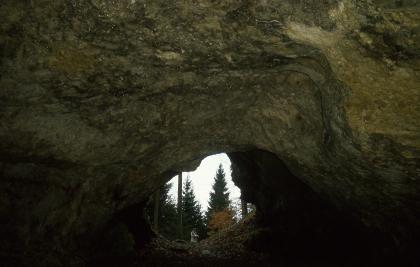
156 211
244 207
180 205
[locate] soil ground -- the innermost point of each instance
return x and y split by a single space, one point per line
229 247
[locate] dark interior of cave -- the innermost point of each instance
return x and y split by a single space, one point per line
294 226
299 227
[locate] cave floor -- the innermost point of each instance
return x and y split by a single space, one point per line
230 247
170 253
225 248
166 253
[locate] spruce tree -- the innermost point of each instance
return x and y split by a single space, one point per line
192 216
219 197
167 215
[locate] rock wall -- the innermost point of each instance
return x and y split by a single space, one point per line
299 226
101 101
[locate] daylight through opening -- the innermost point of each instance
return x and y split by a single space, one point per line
209 202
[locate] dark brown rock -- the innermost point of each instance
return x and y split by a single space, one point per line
101 101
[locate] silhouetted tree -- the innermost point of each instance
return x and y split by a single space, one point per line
219 197
167 214
244 208
179 206
191 212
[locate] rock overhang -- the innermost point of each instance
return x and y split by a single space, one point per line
98 98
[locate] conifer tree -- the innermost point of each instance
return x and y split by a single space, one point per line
192 215
167 215
219 197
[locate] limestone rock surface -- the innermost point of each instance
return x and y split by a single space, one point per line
102 101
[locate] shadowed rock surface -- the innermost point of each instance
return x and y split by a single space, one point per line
102 101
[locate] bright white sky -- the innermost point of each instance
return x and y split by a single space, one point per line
203 177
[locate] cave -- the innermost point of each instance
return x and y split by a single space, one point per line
315 102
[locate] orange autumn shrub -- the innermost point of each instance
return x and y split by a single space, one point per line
220 220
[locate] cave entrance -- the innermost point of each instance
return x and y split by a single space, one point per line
209 202
292 222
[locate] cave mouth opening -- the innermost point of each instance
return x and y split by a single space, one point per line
206 206
292 223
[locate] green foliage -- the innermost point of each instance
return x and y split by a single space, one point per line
192 216
167 219
219 197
